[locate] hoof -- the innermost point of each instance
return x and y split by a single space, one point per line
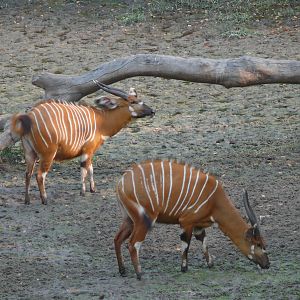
184 269
93 189
44 202
210 261
27 200
138 276
122 272
82 193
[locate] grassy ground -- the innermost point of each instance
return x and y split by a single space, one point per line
248 137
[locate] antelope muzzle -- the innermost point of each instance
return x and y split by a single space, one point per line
142 110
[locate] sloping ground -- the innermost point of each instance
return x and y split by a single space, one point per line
248 137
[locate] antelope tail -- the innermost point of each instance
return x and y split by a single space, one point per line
20 124
133 209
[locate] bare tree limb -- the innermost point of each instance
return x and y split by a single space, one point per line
235 72
3 120
6 139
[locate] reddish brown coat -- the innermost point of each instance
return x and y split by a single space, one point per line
176 193
55 130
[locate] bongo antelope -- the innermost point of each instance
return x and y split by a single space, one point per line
169 192
57 130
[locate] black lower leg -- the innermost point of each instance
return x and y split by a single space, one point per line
185 243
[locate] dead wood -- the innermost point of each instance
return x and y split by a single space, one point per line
235 72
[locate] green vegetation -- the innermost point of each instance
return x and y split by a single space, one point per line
11 155
233 17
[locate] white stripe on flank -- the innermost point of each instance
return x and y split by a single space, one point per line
45 124
133 185
163 183
170 184
154 183
90 124
55 125
32 133
123 184
58 122
51 121
38 128
203 187
61 107
70 125
86 129
76 127
83 125
207 197
187 191
95 126
192 194
182 188
145 185
77 134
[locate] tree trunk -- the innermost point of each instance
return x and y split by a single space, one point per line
235 72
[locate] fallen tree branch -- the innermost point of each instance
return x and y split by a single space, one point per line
6 139
3 120
235 72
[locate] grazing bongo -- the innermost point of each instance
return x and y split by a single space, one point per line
57 130
176 193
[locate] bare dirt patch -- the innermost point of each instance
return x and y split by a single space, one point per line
248 137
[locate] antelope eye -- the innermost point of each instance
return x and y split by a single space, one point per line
260 245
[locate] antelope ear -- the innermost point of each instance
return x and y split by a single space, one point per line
105 102
132 92
249 234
